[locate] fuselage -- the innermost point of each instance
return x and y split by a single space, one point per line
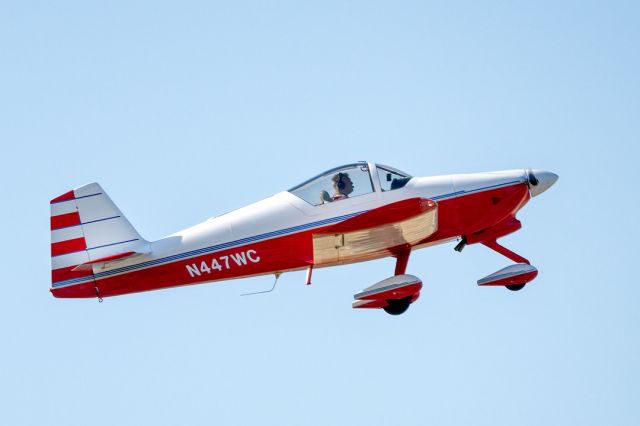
275 234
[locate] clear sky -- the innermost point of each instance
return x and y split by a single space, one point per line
186 110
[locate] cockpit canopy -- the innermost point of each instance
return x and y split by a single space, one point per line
348 181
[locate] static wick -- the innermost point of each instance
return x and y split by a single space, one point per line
265 291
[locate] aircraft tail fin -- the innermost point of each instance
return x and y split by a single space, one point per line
87 226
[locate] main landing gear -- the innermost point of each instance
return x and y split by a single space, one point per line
397 306
516 287
393 294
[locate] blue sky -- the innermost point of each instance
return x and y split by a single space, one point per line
186 110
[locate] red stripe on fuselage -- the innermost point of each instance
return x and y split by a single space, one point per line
64 220
278 254
456 216
68 246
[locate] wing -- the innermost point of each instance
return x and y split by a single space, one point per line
377 232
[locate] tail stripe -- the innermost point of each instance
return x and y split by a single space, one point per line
63 208
69 260
63 274
69 196
65 220
68 246
81 223
64 234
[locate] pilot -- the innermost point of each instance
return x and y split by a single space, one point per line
342 185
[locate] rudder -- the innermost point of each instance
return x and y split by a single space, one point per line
86 225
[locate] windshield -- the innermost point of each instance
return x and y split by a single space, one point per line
336 184
391 178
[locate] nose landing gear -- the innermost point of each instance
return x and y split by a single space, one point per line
513 277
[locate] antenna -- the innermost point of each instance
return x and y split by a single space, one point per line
277 274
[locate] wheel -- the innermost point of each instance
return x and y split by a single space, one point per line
398 306
515 287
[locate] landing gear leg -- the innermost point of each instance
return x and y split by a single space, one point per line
402 259
493 245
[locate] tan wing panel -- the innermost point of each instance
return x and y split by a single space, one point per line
373 242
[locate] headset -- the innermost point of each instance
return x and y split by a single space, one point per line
339 183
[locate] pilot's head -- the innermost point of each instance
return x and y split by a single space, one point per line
342 183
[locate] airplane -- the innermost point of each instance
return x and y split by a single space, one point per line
353 213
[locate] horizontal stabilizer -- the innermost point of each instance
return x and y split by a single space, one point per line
103 261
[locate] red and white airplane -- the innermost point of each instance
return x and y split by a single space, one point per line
357 212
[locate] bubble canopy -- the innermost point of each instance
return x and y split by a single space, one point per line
348 181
